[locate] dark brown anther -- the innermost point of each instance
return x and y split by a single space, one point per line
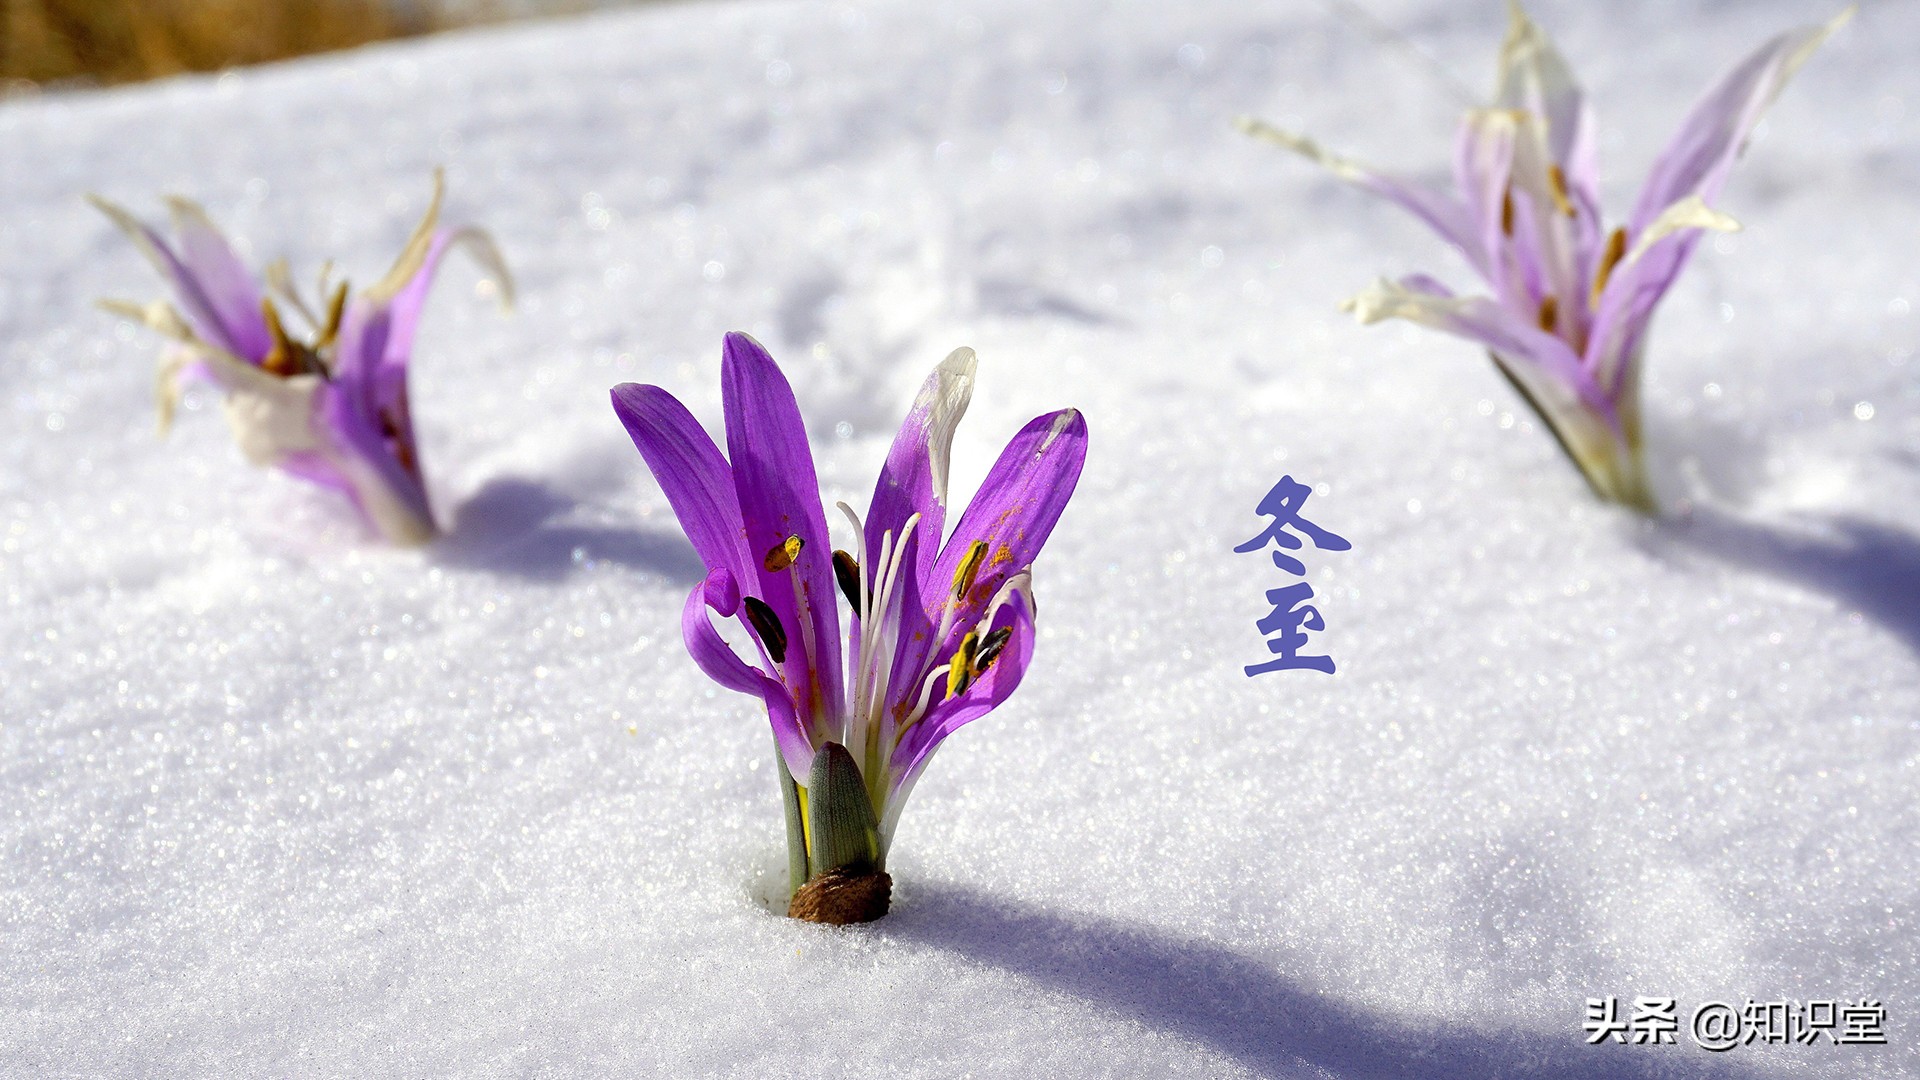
1557 184
1616 250
1549 313
1506 212
766 625
841 898
846 571
782 554
990 647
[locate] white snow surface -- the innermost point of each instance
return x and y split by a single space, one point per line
277 801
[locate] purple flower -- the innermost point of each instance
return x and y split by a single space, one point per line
937 633
331 407
1567 322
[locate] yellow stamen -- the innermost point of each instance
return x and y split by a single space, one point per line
782 554
336 306
969 569
990 647
1557 184
1616 250
282 359
1549 313
960 668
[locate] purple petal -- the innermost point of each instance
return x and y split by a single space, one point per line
710 651
780 497
1436 209
1013 513
1483 170
691 472
369 406
408 299
986 694
1535 78
317 469
198 304
1639 282
228 287
1556 231
1710 139
1418 298
914 479
387 485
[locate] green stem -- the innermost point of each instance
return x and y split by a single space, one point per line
797 873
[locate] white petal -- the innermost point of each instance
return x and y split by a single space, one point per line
1691 212
414 255
271 417
1344 168
1534 77
946 397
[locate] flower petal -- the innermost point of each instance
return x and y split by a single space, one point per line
780 497
914 479
1483 173
719 592
1012 514
230 288
1421 299
1626 302
1535 78
691 472
1439 211
203 301
271 417
1585 420
1691 212
1710 139
377 330
376 457
405 304
992 688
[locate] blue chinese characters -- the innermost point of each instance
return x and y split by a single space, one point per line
1286 626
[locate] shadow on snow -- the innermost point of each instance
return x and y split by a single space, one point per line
517 526
1865 566
1240 1006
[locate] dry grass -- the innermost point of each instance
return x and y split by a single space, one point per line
108 41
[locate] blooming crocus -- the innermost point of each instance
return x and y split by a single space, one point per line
1572 299
329 406
938 634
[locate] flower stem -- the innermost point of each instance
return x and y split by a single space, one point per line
796 825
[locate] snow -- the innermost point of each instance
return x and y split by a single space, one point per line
275 800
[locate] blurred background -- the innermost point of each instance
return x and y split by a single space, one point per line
53 44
